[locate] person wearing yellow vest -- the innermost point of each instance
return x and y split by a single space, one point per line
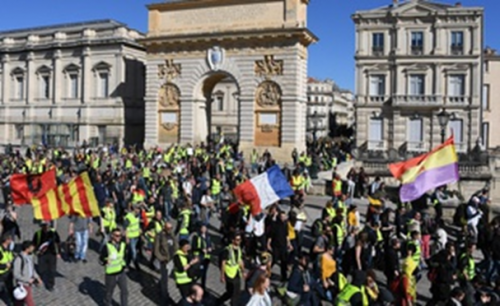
467 268
113 259
254 161
182 267
338 237
201 244
131 224
152 230
297 181
337 187
232 271
216 188
138 195
415 241
354 294
183 223
409 282
6 277
108 222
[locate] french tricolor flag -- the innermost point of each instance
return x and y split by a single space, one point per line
263 190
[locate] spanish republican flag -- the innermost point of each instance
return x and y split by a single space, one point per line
74 198
428 171
24 187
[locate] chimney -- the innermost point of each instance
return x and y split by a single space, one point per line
458 4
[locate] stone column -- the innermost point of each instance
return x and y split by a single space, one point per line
5 79
194 116
86 75
57 79
30 78
151 103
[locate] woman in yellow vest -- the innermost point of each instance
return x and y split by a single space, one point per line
183 264
409 281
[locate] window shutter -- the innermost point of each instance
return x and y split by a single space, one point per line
456 129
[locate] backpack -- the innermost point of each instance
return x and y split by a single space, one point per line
460 215
317 228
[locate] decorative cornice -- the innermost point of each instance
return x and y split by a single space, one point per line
303 35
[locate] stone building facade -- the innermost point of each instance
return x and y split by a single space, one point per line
326 100
224 110
259 45
65 84
414 59
491 98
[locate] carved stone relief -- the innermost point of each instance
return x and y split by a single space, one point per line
268 66
268 94
169 70
169 95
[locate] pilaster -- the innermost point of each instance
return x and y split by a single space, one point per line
119 71
57 77
86 75
30 78
5 78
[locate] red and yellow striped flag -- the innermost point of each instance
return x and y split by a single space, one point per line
74 198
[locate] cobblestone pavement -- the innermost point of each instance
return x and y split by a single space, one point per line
83 284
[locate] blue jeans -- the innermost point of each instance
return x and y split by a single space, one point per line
133 249
167 206
82 242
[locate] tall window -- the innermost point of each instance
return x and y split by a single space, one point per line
456 85
417 85
103 84
44 87
375 134
417 42
415 133
73 86
457 42
19 90
377 85
220 103
456 126
485 134
486 97
378 42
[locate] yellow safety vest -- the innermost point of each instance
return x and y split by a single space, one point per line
342 282
95 164
137 197
337 187
200 246
470 270
182 278
233 263
331 212
334 162
216 187
186 218
146 173
297 182
109 218
380 238
133 228
341 205
340 234
254 157
418 250
7 257
175 190
151 234
116 258
344 297
128 164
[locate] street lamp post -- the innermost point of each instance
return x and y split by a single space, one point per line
443 118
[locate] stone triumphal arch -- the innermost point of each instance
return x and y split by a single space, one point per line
258 48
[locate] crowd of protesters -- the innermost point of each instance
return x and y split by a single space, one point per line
157 207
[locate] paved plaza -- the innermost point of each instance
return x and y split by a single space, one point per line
83 284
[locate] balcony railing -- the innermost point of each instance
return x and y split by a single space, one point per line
376 145
460 147
377 51
417 50
377 98
457 49
457 100
417 100
416 146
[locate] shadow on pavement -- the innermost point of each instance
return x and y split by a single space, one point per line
94 289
